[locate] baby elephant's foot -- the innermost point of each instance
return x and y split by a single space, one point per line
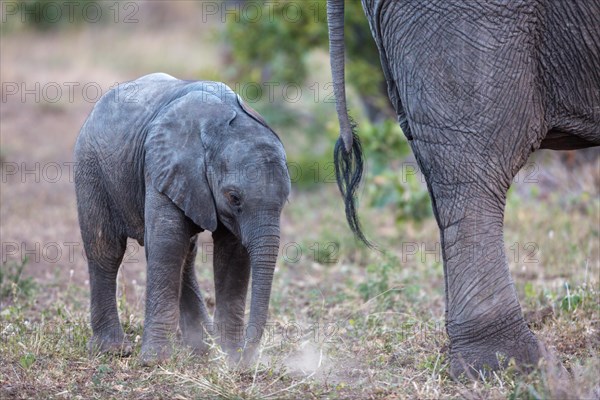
233 352
198 345
240 356
155 352
199 350
250 357
117 345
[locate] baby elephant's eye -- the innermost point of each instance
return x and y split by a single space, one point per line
233 198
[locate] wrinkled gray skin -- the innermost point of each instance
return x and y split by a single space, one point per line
160 160
477 87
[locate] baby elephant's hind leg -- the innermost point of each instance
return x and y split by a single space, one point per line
104 248
108 335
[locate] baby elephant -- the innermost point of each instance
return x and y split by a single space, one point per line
160 160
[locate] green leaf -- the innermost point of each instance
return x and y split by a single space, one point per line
570 303
529 291
27 361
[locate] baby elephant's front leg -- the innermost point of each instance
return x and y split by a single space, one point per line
167 239
232 273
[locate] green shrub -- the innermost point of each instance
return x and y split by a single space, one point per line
275 46
392 183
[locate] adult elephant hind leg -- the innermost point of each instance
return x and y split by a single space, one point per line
483 316
104 246
231 265
194 319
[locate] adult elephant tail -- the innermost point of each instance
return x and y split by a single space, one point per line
347 155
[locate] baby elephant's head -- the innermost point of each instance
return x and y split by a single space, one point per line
220 163
248 176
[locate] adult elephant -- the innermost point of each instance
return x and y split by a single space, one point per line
477 87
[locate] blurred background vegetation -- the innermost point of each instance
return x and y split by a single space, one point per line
285 49
274 54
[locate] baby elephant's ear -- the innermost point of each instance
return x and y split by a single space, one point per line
176 157
251 111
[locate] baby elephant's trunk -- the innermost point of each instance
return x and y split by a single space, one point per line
263 249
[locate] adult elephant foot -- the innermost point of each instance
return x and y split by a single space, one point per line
482 352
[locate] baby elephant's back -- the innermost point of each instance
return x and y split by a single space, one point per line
116 127
118 119
110 147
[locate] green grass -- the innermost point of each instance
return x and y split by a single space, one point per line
12 282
